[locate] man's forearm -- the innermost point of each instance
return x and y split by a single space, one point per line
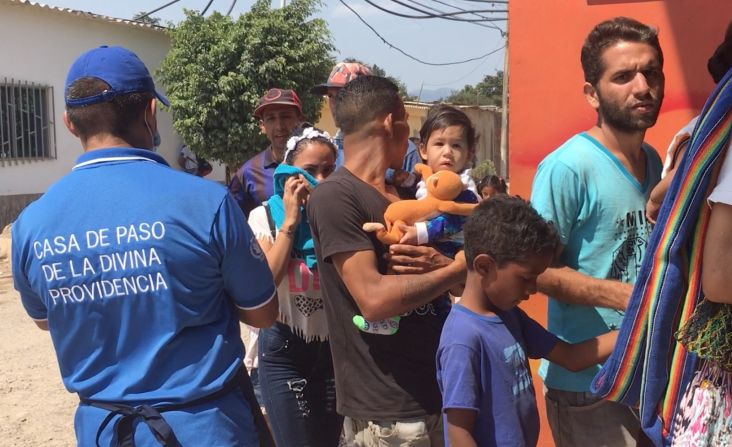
572 287
397 294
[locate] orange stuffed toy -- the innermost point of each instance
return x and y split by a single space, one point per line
442 188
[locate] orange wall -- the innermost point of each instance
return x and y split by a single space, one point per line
546 104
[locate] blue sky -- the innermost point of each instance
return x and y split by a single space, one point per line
432 40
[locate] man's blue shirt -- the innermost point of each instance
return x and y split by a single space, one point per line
139 270
598 208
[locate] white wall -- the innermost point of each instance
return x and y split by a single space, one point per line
38 45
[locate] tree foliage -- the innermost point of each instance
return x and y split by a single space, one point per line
218 67
141 17
482 170
378 71
489 91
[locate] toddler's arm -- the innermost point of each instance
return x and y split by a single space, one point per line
579 356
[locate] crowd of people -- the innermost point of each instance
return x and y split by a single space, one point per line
379 282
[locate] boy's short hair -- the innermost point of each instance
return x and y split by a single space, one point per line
363 100
508 229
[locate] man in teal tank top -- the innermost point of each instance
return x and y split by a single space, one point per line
594 188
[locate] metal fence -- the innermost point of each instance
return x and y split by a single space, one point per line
27 127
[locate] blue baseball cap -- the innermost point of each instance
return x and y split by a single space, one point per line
118 67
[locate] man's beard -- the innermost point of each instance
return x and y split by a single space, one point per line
623 119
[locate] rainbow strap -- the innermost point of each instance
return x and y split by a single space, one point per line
648 368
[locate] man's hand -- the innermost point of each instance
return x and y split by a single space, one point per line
416 259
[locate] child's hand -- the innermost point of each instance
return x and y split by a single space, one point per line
410 235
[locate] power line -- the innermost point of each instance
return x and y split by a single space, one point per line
409 55
442 13
207 6
231 8
473 70
439 16
159 9
487 25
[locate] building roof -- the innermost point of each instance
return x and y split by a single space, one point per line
84 14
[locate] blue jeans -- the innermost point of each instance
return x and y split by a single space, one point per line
298 389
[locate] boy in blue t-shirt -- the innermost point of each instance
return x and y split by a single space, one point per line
482 367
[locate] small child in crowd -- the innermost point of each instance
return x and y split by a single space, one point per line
482 367
491 186
447 142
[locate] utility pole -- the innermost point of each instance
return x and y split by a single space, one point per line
504 114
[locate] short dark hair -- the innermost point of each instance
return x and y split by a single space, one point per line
608 33
115 117
299 130
443 116
508 229
363 100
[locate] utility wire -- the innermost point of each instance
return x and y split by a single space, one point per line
442 14
206 8
487 25
156 10
473 70
437 64
439 16
231 8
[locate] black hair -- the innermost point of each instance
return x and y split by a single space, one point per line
495 182
509 230
443 116
116 116
297 132
363 100
608 33
721 61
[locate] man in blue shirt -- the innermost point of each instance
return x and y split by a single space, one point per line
141 273
594 189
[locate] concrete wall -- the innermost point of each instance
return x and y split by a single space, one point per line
38 45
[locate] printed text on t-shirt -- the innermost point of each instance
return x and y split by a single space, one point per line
102 263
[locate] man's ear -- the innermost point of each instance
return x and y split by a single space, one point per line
389 124
591 96
70 125
152 111
261 127
485 266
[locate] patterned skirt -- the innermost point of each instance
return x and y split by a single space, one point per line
704 415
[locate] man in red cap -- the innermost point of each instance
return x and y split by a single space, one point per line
342 73
278 111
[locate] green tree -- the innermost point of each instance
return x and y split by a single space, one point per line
489 91
218 67
146 19
378 71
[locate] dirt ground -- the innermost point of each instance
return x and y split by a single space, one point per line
35 408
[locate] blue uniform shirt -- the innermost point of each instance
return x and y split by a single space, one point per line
139 270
